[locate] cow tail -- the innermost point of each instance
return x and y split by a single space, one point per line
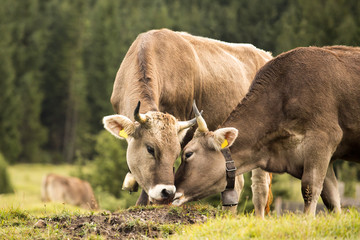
270 197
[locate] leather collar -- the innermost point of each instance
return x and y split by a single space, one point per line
230 168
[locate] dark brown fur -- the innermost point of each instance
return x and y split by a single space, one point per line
311 99
301 112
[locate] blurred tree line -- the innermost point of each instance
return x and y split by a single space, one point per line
59 58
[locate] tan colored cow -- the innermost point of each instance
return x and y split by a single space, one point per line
69 190
300 114
166 71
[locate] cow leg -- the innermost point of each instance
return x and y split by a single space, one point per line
312 180
330 194
317 152
260 189
143 199
239 185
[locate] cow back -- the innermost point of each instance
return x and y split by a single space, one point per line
167 70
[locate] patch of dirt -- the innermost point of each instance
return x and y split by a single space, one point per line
134 223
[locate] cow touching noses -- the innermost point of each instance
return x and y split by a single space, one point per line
162 193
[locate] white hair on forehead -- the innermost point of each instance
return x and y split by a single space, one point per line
161 119
162 125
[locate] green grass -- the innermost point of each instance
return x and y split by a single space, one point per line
16 223
21 210
289 226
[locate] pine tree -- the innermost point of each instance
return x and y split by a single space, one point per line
24 41
10 101
319 23
64 84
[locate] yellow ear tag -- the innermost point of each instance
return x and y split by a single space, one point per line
224 144
123 134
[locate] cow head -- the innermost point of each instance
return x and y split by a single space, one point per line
153 145
202 171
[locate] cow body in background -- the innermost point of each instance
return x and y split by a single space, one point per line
300 114
69 190
166 71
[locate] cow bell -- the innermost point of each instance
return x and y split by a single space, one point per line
130 183
229 197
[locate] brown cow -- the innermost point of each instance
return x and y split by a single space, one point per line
69 190
167 71
301 112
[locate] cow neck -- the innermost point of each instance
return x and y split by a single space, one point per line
148 105
254 120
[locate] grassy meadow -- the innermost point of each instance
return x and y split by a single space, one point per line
289 226
21 210
26 180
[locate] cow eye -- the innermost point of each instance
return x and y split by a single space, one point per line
188 154
150 150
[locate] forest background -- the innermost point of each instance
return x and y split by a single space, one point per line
59 58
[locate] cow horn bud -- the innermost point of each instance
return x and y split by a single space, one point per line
141 118
202 127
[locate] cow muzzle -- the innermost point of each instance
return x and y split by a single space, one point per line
162 193
179 199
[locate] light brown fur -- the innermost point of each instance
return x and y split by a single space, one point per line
167 71
69 190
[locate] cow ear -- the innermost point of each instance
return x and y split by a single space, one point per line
119 126
225 137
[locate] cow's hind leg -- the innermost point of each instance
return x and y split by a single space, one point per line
330 194
260 189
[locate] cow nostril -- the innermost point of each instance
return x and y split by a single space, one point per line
165 193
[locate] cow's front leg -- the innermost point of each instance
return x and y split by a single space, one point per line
315 168
143 199
260 189
318 149
239 185
131 185
330 193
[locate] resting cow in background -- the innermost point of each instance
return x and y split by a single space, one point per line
69 190
166 71
301 113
